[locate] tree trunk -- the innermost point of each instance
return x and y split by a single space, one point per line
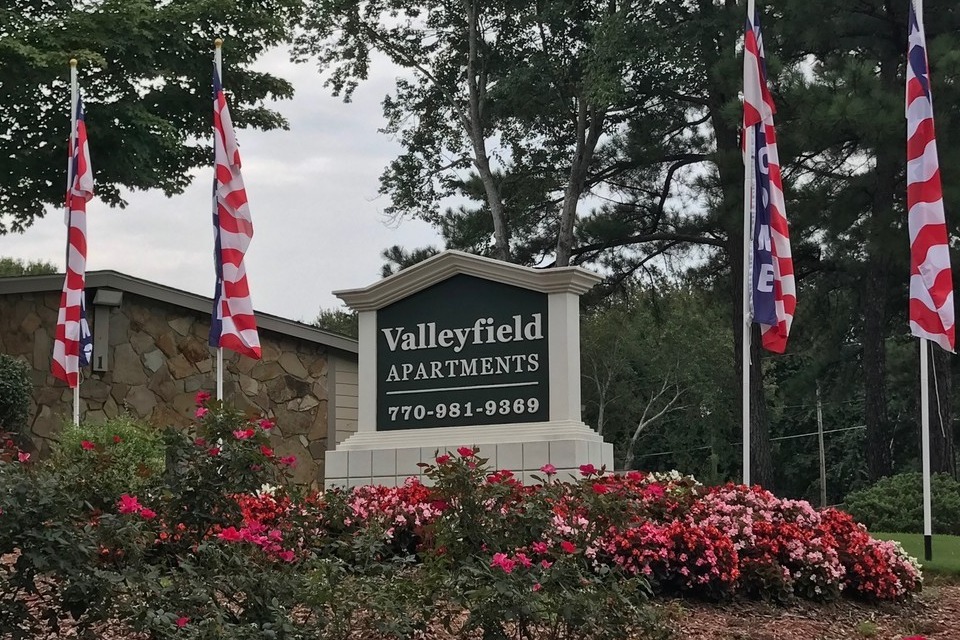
879 462
589 128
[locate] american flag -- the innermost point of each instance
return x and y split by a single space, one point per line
773 297
73 345
931 282
233 325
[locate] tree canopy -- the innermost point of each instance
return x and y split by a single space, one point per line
145 76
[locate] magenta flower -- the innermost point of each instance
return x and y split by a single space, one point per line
86 445
568 547
289 460
536 587
266 424
202 397
588 469
201 411
213 451
539 547
147 514
128 504
465 452
23 456
286 555
549 469
444 459
243 434
503 562
182 621
267 451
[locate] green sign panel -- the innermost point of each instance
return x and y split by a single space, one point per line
465 351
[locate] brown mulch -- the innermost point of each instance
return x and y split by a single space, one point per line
934 614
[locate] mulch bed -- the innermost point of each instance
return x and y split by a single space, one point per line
934 614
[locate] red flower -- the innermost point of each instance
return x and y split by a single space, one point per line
588 469
267 451
214 451
147 514
289 460
202 397
600 489
465 452
266 424
654 491
183 620
444 459
230 534
243 434
200 442
87 445
567 546
128 504
117 440
286 555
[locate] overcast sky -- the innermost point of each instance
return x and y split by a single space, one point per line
318 219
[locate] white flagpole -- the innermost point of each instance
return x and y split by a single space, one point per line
218 63
748 204
74 93
925 446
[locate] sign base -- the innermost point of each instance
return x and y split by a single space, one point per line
388 458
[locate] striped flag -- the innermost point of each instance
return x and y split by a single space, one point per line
931 282
773 297
73 345
233 325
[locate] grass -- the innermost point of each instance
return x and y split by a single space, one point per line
946 551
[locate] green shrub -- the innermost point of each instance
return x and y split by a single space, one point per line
895 504
125 457
15 389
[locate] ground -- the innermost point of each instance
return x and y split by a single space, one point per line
934 614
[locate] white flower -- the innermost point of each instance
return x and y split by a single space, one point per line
266 490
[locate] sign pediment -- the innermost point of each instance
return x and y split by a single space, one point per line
451 263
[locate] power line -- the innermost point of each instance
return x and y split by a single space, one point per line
799 435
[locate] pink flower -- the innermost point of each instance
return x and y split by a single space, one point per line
568 547
243 434
465 452
266 424
289 460
503 562
230 534
23 456
201 411
117 439
522 559
87 445
202 397
128 504
549 469
546 564
588 469
267 451
536 587
539 547
286 555
182 621
147 514
444 459
213 451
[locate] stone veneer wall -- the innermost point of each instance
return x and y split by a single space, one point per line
158 360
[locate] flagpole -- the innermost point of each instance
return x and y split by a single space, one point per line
74 93
218 64
748 196
925 446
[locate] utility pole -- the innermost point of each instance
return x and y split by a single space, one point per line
823 456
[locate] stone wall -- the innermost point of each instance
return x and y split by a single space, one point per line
157 360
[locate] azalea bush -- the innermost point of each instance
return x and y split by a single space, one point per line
216 542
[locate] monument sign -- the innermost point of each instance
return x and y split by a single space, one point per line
463 350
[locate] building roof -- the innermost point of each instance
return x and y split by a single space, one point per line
121 282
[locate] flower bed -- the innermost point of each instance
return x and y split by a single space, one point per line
221 544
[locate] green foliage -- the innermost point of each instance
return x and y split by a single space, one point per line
896 504
144 69
338 321
127 457
15 267
15 390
